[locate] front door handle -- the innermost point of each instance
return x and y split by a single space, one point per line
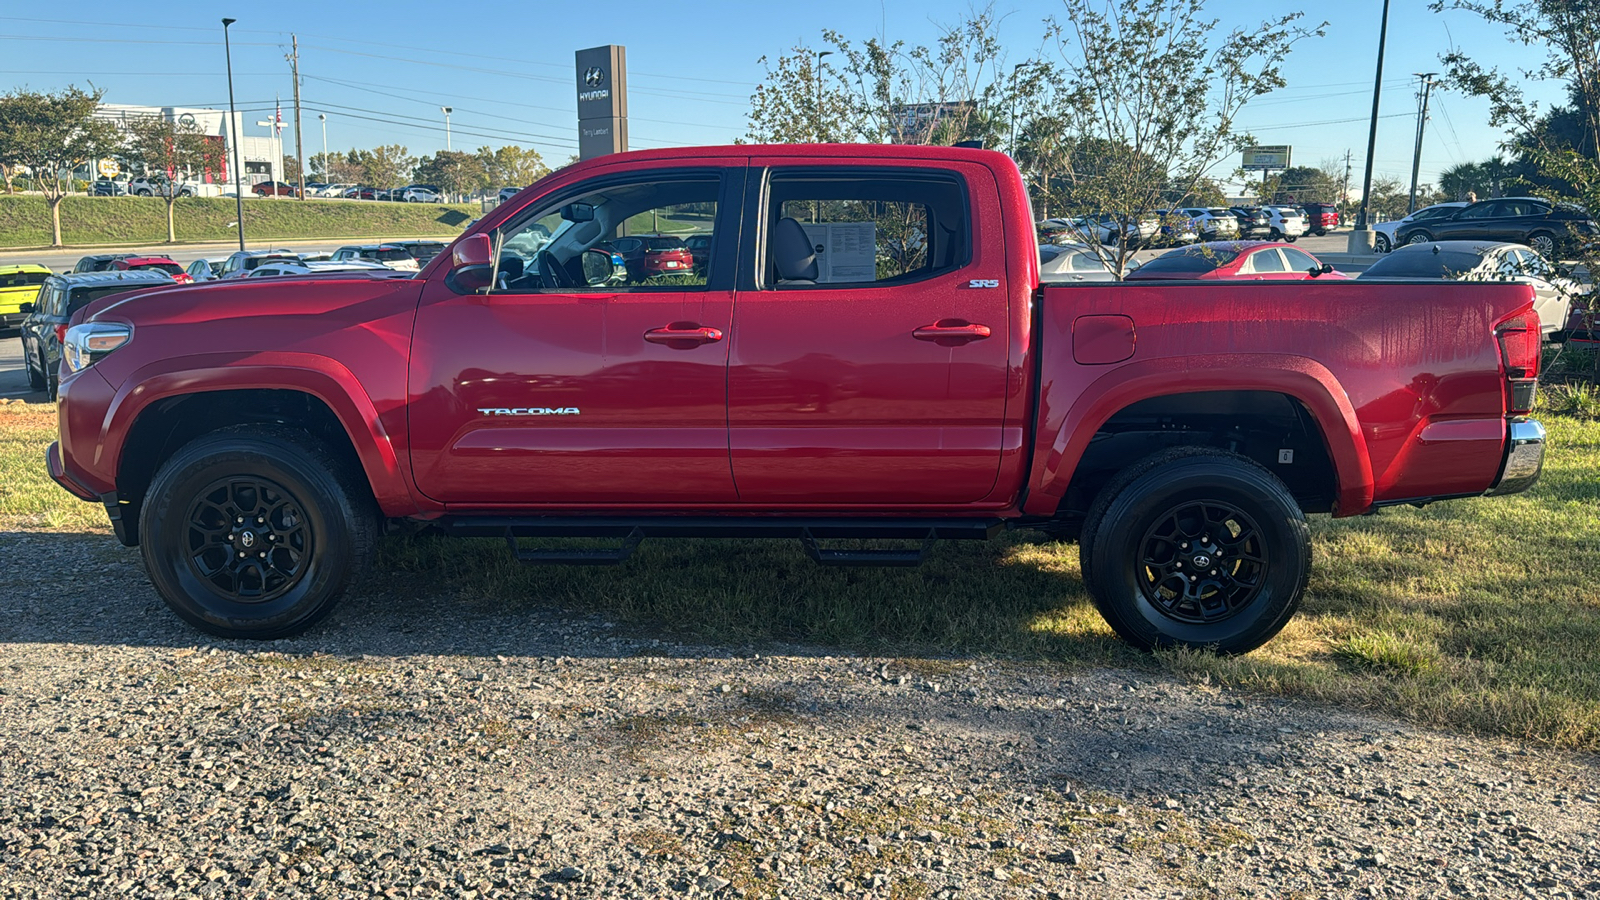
683 335
952 332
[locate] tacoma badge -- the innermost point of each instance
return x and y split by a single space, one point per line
532 411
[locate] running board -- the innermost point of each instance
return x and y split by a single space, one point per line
632 530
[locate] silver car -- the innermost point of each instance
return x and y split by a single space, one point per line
1553 289
1068 263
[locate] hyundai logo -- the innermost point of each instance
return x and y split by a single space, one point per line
594 76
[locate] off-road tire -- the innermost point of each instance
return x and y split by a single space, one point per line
1132 507
316 503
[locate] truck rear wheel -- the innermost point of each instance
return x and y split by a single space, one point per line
1196 547
255 531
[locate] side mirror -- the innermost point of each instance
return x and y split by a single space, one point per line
578 212
598 267
472 263
1319 271
1563 272
25 308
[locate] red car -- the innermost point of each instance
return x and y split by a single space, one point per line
1251 260
275 188
648 255
152 264
1320 218
254 437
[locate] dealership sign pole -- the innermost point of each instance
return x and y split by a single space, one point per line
602 100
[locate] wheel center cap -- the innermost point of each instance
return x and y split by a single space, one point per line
1201 560
247 539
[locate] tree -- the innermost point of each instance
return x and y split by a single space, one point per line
339 168
455 171
159 146
51 133
511 166
385 167
1151 77
1300 184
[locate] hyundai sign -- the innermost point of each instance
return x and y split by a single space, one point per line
602 101
1265 158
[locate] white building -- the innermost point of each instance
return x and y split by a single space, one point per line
261 156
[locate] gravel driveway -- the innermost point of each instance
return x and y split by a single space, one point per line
427 748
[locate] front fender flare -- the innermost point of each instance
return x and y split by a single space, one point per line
1306 380
324 378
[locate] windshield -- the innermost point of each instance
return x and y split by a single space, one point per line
1446 264
386 254
420 251
22 279
85 296
169 268
1188 262
663 243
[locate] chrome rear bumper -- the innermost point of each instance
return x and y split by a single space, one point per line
1524 458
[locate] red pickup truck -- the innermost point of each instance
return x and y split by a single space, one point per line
867 352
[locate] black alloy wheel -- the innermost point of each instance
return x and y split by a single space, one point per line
256 531
1196 547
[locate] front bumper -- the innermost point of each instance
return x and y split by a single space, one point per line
1524 458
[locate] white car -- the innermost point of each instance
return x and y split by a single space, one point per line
390 255
1069 263
160 186
1553 289
315 267
1288 222
335 191
419 194
1383 239
205 270
1210 223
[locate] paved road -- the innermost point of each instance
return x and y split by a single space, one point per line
13 379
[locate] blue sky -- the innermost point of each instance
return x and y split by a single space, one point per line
381 72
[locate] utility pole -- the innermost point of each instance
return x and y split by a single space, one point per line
299 150
1422 121
235 135
1361 238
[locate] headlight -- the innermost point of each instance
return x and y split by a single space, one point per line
89 343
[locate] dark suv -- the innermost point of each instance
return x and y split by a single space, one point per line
1545 226
1253 221
45 328
100 263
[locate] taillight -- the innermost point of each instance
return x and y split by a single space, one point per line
1520 342
61 334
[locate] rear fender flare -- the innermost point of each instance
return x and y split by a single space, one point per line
319 376
1303 379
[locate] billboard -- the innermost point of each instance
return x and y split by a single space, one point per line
602 80
1275 156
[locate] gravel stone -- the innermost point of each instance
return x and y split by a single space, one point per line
445 748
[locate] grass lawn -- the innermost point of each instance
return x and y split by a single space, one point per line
25 219
1481 615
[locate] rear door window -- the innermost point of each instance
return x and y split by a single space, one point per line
1265 261
864 228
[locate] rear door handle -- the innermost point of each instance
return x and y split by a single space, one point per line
952 332
683 335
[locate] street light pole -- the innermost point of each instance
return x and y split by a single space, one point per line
232 127
1015 69
1361 238
820 55
324 118
447 111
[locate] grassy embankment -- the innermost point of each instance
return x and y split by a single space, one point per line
25 220
1481 615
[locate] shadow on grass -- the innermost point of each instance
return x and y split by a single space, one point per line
455 218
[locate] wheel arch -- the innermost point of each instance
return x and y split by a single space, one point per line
1236 386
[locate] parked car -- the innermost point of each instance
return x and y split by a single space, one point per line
1254 222
650 255
362 192
317 267
1185 432
1103 228
506 193
241 262
421 193
1321 218
152 264
1288 222
392 255
108 187
1553 288
335 191
1383 233
1549 228
700 249
1211 223
161 186
1066 263
98 262
272 188
205 269
19 284
44 327
1252 260
421 251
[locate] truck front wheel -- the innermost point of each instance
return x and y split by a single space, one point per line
1196 547
255 531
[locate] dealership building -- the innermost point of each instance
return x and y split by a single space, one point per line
261 157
